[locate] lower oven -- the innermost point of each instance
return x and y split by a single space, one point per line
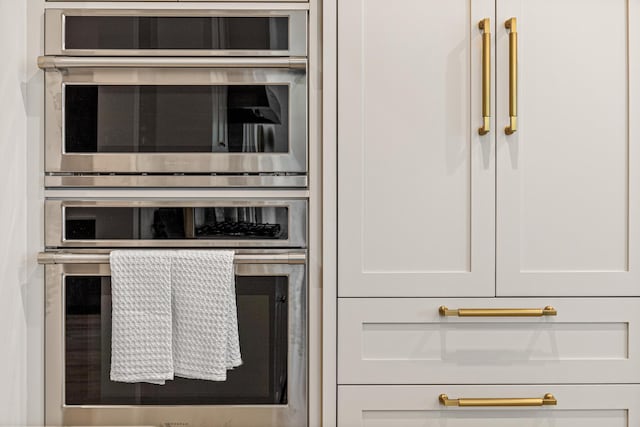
268 390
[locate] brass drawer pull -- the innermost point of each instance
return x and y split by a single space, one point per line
498 312
548 399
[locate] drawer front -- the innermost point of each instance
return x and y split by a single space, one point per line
407 341
419 406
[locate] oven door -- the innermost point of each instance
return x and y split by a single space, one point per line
268 390
153 116
97 32
225 223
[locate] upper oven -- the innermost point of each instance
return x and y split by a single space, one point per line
207 98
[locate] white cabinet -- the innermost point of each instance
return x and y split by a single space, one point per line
432 213
419 406
428 207
416 181
568 181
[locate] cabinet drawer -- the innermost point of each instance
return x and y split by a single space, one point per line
407 341
419 406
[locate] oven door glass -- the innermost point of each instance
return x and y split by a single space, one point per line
269 312
221 223
184 120
176 119
98 32
176 33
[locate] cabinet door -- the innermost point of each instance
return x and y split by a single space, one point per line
419 406
568 180
416 180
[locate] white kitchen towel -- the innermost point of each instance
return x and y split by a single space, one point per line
141 320
205 320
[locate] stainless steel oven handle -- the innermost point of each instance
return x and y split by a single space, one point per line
73 258
64 62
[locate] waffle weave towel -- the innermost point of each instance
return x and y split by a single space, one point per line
141 328
205 321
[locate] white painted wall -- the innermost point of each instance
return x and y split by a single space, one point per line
13 212
21 295
34 298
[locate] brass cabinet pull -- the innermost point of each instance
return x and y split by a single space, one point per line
498 312
548 399
511 24
485 25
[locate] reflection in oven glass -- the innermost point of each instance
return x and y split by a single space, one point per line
157 223
176 32
176 119
238 222
262 303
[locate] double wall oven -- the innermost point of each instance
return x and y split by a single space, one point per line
177 98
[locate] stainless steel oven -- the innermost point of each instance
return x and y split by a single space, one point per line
175 98
268 390
270 239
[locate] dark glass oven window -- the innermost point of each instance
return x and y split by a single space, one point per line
260 380
186 33
158 223
176 119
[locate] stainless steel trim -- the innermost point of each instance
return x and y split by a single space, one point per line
294 414
55 218
66 62
54 32
90 1
290 258
252 4
181 181
180 193
293 161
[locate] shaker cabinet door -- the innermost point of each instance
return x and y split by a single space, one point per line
568 179
416 180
